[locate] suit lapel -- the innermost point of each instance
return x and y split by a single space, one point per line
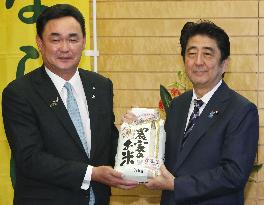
209 116
48 92
181 122
90 92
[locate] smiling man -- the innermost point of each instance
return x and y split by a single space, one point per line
212 131
59 121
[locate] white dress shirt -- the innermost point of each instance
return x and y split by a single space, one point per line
205 100
80 97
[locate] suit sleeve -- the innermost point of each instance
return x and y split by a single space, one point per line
114 129
25 140
235 164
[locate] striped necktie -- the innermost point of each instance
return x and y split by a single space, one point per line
193 119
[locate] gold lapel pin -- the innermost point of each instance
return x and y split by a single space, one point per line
54 102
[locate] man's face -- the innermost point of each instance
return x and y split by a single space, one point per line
61 45
202 62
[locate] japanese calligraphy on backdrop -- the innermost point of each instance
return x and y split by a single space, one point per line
19 55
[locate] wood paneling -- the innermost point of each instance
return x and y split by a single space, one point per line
136 63
139 80
261 136
165 45
261 8
261 63
169 27
261 45
176 9
261 99
169 63
136 98
251 189
139 191
120 200
261 27
261 82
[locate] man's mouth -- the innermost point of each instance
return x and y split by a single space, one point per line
64 58
199 71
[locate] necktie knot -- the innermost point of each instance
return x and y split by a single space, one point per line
68 86
198 103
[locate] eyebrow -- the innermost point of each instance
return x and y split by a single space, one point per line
204 48
70 35
54 34
209 48
73 35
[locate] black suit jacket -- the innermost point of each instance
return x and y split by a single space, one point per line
214 165
49 157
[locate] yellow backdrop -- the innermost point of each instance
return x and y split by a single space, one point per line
18 53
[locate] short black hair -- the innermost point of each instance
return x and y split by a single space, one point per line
207 28
58 11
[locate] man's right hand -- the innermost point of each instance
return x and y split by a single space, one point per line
129 117
107 175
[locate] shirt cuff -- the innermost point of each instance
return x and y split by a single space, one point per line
87 178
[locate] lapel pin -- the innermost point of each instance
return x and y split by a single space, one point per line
212 113
54 102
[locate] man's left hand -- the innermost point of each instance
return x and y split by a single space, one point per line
165 181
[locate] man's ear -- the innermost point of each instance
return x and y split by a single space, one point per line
39 42
225 64
84 42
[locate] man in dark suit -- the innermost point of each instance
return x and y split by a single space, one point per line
212 131
59 121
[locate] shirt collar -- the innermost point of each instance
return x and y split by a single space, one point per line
208 95
59 82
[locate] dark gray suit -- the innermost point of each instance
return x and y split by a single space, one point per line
214 165
49 157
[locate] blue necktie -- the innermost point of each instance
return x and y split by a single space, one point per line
74 113
193 118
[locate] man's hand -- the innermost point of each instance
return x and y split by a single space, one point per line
107 175
129 117
165 181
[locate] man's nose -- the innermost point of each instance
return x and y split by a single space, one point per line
199 59
64 46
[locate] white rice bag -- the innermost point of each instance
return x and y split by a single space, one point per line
141 146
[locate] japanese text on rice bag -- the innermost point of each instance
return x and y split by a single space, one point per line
141 146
